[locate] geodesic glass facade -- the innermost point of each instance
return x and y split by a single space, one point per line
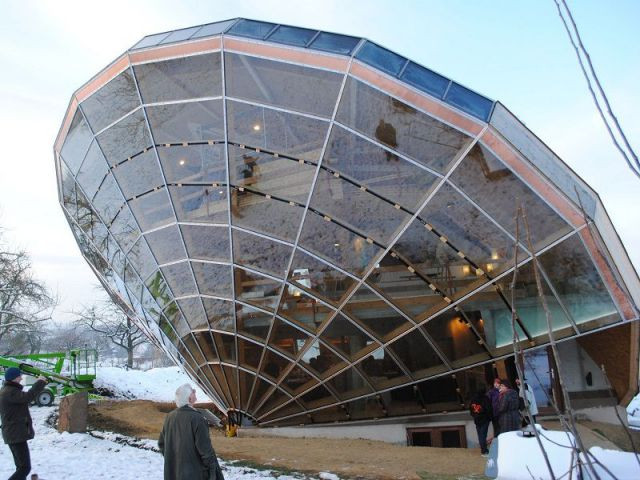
318 229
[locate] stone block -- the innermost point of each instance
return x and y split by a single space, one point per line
73 413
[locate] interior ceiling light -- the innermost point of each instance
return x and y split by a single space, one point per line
256 127
182 161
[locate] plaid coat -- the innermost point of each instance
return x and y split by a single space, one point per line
508 414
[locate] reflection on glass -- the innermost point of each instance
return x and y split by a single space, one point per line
579 285
426 363
76 142
213 279
124 228
284 85
219 313
498 191
256 289
355 208
92 171
349 384
280 132
381 58
126 138
153 209
321 359
252 322
346 337
206 242
469 101
292 35
399 126
260 253
332 42
382 370
287 338
187 122
180 279
338 245
139 175
141 258
297 381
303 309
200 203
166 244
107 201
425 79
226 347
192 312
193 163
249 355
265 215
180 78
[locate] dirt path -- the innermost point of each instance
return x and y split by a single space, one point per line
348 458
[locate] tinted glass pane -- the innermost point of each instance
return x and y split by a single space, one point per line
180 279
274 364
439 394
455 339
108 200
213 28
126 138
369 407
382 370
375 314
213 279
76 142
253 322
124 229
349 384
152 209
251 28
159 290
260 253
265 215
193 164
266 173
207 242
331 42
180 79
377 169
292 35
287 338
425 79
338 245
345 337
320 359
404 288
68 189
415 352
303 309
205 342
111 102
141 258
187 122
399 126
280 132
281 84
139 175
166 244
319 277
226 347
192 311
203 204
469 101
256 289
179 35
298 381
219 313
529 306
249 356
498 191
578 284
356 208
92 171
381 58
150 40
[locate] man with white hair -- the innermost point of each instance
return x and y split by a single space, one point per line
185 443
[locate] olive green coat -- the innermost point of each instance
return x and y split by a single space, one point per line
186 446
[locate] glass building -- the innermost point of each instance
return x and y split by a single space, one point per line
318 229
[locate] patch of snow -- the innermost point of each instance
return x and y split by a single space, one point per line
508 460
633 413
157 384
78 456
328 476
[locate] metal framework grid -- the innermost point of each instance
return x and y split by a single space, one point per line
206 342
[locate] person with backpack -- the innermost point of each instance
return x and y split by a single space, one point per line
481 411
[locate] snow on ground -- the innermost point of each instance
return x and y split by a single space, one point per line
79 456
157 384
508 460
633 413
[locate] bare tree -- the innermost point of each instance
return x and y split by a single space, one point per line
108 320
25 303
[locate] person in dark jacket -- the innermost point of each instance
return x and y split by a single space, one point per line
185 443
508 413
494 396
17 426
480 409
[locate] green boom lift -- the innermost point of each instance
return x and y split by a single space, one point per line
67 372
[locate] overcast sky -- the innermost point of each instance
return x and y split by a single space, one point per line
513 51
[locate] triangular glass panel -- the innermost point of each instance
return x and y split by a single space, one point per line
274 400
260 253
256 289
246 383
68 190
213 373
213 279
259 391
187 122
270 174
287 338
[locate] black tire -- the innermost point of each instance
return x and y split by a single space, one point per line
44 398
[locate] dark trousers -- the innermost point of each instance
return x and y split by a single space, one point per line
22 459
496 427
483 429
